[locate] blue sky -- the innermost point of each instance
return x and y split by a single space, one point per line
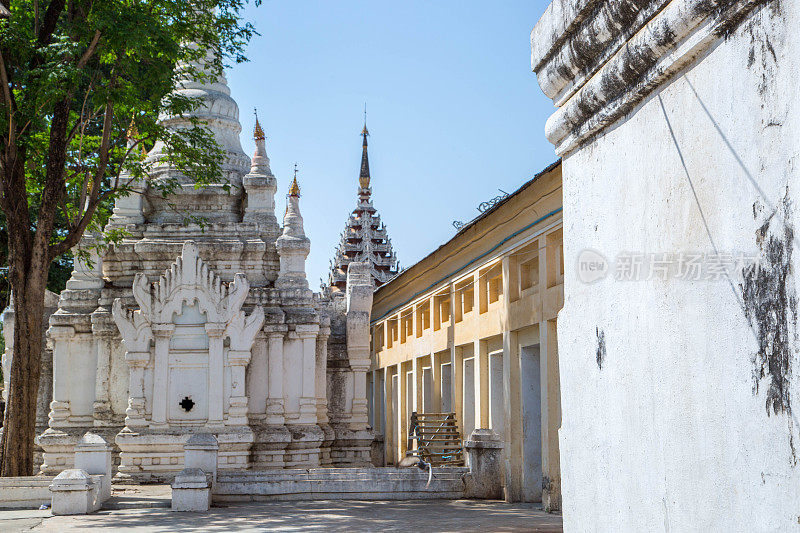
454 110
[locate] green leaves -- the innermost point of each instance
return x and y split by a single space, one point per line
114 63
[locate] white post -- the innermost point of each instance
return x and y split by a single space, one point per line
201 451
74 492
93 454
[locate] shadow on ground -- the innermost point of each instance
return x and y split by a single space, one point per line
432 515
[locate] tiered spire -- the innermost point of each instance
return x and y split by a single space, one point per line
293 245
365 239
260 185
363 178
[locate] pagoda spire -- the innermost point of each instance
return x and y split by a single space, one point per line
363 178
260 161
365 239
293 245
258 131
294 188
260 185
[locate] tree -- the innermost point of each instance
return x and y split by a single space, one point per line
75 77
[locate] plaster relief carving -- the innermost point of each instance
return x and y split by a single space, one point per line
178 336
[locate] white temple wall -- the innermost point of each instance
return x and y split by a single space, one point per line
666 382
75 362
82 362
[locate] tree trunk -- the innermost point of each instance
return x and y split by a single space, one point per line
30 263
19 426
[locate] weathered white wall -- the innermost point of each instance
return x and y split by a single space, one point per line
668 423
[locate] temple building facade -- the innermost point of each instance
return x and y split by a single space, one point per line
470 330
364 238
184 328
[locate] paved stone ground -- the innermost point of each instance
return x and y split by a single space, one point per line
302 516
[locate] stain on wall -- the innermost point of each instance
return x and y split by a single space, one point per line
601 347
770 303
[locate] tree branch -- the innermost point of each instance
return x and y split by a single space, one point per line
36 17
54 175
50 21
89 51
74 236
9 100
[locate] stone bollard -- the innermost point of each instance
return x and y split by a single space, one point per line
200 451
75 492
93 455
378 455
485 458
191 490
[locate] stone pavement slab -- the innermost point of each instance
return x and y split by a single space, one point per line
139 497
15 521
328 516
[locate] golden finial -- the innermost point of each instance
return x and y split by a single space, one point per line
258 133
294 188
365 131
132 132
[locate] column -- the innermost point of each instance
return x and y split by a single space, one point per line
397 411
512 411
103 331
161 334
59 407
137 364
482 384
359 416
258 379
416 394
388 433
551 415
377 394
216 373
436 393
458 386
237 409
275 403
308 396
321 371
